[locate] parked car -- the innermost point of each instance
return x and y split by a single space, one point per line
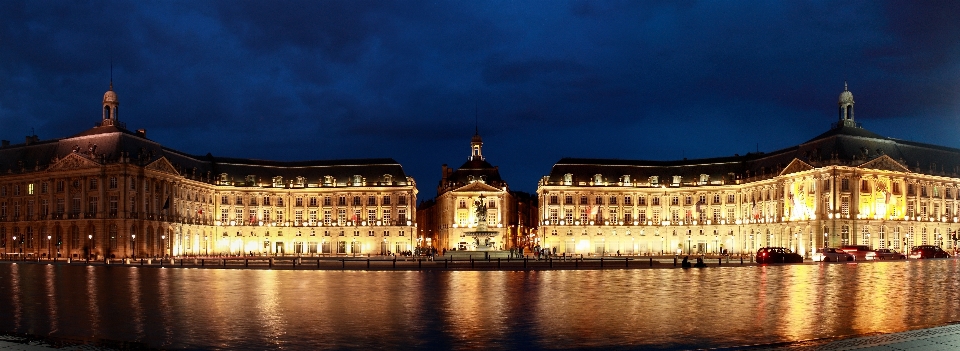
777 255
928 251
831 254
885 254
859 252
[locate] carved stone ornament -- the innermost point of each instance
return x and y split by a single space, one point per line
73 161
885 163
162 165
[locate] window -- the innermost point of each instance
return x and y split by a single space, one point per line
371 215
266 215
371 200
402 200
326 201
279 201
280 216
342 201
60 186
845 206
656 201
113 182
386 200
675 201
326 217
923 191
627 201
844 184
223 200
553 215
554 200
93 185
642 200
731 198
583 200
356 201
239 200
687 200
568 200
402 216
613 200
298 202
44 188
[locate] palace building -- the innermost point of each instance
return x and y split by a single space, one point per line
474 208
112 192
845 186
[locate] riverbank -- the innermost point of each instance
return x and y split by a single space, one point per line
391 263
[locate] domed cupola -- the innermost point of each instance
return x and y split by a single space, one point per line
476 146
846 107
110 107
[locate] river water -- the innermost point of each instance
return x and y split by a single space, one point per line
174 308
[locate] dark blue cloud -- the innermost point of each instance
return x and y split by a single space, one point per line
294 80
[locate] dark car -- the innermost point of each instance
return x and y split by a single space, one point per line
928 251
777 255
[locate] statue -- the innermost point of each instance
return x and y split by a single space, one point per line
481 210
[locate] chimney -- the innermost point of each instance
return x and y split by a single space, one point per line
443 173
32 139
5 143
142 133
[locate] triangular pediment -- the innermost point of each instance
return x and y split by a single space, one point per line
886 163
796 166
162 165
73 161
477 186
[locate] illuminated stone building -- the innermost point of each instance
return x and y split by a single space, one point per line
112 192
450 220
845 186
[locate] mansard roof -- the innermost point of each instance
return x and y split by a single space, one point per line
843 145
113 144
476 169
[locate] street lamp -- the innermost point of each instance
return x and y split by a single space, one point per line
163 246
49 249
15 243
90 238
133 242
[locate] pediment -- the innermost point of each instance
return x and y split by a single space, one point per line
477 186
796 166
886 163
73 161
162 165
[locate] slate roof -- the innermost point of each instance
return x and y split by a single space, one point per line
841 145
108 143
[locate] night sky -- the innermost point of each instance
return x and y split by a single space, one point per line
308 80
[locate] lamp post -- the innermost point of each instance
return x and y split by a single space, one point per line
133 244
90 238
49 248
15 243
163 247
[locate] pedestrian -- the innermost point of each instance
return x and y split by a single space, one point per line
618 253
686 262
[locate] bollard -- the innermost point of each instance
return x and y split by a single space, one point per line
203 262
395 264
246 262
368 264
181 263
741 259
270 261
498 262
524 262
318 263
550 259
626 262
651 261
419 263
674 261
719 262
471 262
601 262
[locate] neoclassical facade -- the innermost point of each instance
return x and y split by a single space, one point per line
451 220
845 186
111 192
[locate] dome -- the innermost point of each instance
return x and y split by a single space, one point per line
846 96
476 139
110 96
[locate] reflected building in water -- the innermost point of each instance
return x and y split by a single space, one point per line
845 186
112 192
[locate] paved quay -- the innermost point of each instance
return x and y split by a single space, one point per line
385 263
940 338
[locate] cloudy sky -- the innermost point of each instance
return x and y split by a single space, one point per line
303 80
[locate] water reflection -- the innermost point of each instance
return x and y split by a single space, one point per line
650 308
